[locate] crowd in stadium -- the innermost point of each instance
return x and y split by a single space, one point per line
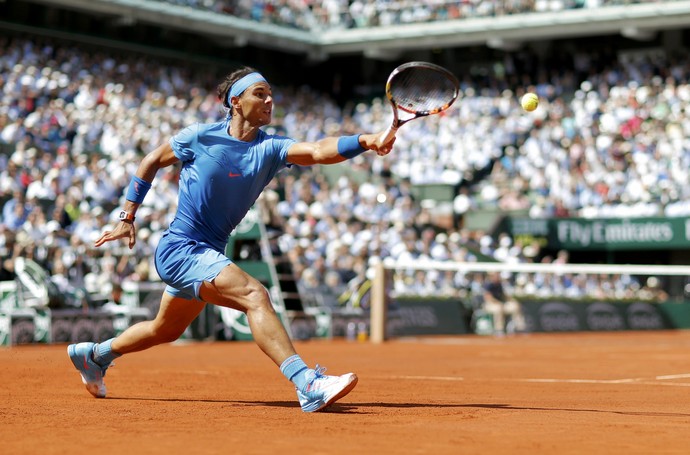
340 14
74 125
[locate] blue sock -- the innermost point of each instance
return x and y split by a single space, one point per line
294 369
103 353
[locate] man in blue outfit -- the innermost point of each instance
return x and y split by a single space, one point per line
225 166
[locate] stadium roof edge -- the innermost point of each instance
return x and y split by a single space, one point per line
646 17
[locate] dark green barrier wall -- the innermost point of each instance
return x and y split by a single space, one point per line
426 316
571 316
677 313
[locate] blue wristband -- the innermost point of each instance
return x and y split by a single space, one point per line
348 146
137 190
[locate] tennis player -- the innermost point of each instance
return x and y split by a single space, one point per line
225 166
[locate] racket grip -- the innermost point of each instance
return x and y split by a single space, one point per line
388 135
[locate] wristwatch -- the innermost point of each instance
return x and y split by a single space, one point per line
126 217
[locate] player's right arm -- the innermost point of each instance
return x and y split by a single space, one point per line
161 157
333 150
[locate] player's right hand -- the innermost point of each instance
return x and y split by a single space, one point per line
375 142
384 148
122 230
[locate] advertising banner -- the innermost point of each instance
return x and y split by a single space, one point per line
604 234
564 316
426 316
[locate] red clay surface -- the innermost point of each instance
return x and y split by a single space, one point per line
609 393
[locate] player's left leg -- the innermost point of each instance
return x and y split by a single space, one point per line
174 316
93 359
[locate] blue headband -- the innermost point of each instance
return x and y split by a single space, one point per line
243 84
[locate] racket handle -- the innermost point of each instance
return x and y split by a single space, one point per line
389 134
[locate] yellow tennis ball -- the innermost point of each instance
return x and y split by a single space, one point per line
529 102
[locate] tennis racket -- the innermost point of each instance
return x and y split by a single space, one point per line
418 89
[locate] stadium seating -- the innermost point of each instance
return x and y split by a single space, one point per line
360 14
609 140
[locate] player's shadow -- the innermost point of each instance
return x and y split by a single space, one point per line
367 408
362 408
336 407
278 404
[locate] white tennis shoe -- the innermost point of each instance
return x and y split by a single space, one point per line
91 373
322 390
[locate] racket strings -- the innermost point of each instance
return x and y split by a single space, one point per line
422 90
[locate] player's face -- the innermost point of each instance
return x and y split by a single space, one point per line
257 104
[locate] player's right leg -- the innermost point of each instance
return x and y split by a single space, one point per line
93 359
236 289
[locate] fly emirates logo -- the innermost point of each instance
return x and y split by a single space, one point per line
601 232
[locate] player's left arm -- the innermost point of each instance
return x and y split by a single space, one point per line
333 150
161 157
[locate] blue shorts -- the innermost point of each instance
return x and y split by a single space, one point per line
184 264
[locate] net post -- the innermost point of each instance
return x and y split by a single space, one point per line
378 305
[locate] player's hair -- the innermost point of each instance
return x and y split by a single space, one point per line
224 87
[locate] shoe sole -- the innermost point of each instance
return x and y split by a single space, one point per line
91 387
347 389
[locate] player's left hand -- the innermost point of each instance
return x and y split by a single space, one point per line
122 230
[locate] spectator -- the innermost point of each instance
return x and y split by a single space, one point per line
16 210
499 305
114 304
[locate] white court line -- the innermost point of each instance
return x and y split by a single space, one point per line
431 378
459 378
580 381
641 381
672 384
673 376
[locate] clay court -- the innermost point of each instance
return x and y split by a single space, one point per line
625 392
